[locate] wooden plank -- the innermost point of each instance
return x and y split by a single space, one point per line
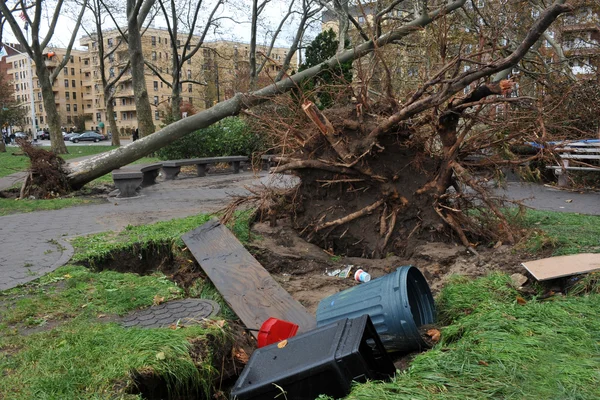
557 267
246 286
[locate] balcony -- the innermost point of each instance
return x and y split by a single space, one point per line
124 93
88 96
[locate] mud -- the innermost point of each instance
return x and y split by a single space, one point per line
301 267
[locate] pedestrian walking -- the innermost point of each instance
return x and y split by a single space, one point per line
136 134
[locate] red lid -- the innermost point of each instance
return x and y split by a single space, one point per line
275 330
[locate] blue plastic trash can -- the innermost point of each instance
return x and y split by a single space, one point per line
398 304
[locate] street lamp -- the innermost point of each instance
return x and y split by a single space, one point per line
31 97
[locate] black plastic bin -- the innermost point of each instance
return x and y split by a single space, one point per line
323 361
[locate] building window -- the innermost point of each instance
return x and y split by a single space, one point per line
39 95
124 116
111 72
68 108
153 40
98 119
40 107
72 71
123 102
189 74
189 61
74 107
41 119
66 83
109 42
156 115
153 56
189 88
71 59
156 86
155 100
66 71
361 19
190 100
74 95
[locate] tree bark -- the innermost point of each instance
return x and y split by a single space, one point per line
136 57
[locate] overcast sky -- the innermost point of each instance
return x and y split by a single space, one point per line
228 29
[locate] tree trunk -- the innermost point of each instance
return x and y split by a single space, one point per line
175 97
252 60
57 142
142 101
112 123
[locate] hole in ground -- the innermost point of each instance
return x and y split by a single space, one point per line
227 355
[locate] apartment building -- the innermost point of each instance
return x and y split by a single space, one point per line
67 87
215 73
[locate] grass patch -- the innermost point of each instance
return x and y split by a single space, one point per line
73 355
11 163
565 233
495 348
165 233
83 360
11 206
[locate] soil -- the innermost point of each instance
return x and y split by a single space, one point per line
301 267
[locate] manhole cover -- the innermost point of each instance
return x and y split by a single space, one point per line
187 312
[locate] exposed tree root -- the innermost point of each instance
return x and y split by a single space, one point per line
351 217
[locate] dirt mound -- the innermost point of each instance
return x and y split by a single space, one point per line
301 267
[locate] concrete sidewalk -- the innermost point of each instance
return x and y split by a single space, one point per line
33 244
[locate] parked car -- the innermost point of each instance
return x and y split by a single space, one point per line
44 135
68 136
88 136
21 135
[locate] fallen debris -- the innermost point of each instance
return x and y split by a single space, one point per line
557 267
245 285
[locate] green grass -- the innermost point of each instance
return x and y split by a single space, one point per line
165 233
11 206
10 163
81 357
565 233
495 348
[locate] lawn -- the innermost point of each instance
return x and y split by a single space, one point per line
57 340
11 163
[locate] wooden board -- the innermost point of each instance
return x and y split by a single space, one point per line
556 267
247 287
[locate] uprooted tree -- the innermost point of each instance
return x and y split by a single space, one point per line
389 166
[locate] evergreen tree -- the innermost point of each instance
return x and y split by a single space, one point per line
331 82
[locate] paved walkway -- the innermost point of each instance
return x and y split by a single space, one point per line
33 244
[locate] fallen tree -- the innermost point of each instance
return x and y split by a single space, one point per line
366 166
88 170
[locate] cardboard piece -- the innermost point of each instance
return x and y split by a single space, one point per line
557 267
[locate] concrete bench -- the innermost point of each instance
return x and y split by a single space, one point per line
127 181
172 168
150 172
576 156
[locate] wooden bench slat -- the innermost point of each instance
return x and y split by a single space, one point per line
246 286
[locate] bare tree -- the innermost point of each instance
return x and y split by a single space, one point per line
137 12
109 80
36 49
183 50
